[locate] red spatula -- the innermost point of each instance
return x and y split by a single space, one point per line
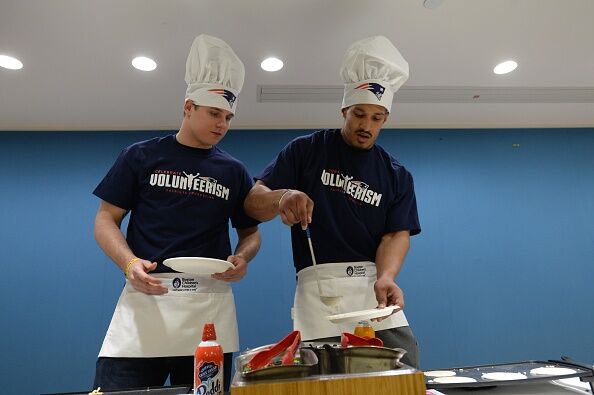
349 339
264 357
290 354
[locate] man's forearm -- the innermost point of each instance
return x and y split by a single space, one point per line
248 243
262 202
391 253
111 240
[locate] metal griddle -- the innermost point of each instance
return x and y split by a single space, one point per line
585 373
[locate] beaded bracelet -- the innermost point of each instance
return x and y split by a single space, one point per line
130 262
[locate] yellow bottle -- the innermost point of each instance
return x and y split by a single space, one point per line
364 329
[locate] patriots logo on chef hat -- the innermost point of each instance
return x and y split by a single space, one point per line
228 95
372 71
375 88
213 73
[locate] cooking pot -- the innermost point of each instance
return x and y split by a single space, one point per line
334 359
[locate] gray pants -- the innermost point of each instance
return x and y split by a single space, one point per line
401 337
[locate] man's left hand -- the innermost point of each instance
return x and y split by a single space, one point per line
233 274
388 293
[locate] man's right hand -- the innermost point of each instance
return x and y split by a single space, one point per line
296 207
142 282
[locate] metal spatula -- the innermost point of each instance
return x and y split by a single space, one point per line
327 300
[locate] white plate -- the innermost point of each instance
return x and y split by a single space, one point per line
453 380
551 371
198 265
503 376
355 316
440 373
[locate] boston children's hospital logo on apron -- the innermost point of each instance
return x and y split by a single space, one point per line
355 271
184 284
358 190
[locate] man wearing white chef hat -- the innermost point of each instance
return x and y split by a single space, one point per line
356 199
181 191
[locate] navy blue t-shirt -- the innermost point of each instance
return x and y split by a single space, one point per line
180 198
359 196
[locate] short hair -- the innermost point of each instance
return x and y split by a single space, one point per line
195 108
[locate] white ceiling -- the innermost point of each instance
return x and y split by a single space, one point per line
77 53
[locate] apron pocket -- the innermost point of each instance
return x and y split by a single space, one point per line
330 288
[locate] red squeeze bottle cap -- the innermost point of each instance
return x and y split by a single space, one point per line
208 332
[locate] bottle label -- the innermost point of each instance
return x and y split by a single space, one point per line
211 379
207 370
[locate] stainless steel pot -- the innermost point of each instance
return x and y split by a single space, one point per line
333 359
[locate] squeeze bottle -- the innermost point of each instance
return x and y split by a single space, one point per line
364 329
208 364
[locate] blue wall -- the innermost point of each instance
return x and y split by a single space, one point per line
503 270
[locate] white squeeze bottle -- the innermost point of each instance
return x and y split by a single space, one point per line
208 364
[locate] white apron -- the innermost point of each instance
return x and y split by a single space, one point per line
171 324
351 280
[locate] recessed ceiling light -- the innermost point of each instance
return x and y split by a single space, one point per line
432 3
8 62
505 67
271 64
144 64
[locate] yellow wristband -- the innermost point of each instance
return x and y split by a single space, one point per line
130 262
281 197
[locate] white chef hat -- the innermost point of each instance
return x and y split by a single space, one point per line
372 71
214 73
